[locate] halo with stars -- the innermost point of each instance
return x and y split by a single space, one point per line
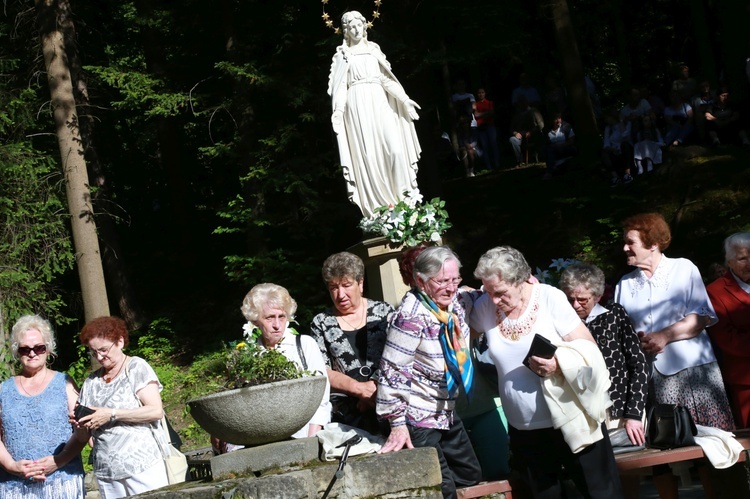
329 22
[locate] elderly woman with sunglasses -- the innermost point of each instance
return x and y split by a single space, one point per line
40 451
425 363
124 395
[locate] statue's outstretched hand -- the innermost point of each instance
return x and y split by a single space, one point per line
337 120
412 107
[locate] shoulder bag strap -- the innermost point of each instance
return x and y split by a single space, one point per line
165 434
300 352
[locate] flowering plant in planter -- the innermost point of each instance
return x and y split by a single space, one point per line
264 398
246 364
410 221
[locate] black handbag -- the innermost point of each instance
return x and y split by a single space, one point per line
669 426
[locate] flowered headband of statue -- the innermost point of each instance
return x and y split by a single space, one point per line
329 22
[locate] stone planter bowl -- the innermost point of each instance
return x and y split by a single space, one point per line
261 414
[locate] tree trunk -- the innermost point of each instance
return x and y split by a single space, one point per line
85 242
587 133
118 277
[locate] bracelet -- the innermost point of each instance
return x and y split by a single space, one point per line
113 417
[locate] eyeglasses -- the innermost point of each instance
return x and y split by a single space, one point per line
37 349
444 283
582 300
102 351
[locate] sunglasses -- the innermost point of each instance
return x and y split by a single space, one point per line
38 350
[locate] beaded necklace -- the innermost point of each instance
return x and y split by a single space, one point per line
514 329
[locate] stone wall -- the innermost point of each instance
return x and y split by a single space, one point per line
292 470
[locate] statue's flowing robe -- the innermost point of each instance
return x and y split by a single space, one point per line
378 146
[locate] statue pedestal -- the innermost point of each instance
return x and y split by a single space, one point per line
382 277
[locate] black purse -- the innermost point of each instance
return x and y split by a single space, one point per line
669 426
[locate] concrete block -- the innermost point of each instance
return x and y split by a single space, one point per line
265 457
294 485
406 473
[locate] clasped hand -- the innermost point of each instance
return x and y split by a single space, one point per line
652 343
367 392
32 470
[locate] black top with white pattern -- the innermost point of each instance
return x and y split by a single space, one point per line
621 348
336 348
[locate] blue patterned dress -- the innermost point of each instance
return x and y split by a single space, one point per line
34 427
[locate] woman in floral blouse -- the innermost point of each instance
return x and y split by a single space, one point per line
425 365
351 337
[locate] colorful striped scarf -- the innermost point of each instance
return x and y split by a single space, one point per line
455 351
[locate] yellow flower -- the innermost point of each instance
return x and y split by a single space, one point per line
241 345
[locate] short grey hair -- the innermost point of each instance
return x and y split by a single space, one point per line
430 262
587 275
25 324
271 295
734 242
505 263
344 264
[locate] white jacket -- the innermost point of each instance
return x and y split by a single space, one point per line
578 397
719 446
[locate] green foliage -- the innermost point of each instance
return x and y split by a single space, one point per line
140 90
158 345
6 364
248 365
159 342
35 247
80 368
205 374
247 72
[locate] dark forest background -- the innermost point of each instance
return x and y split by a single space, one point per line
206 130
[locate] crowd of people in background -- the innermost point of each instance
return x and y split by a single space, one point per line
636 134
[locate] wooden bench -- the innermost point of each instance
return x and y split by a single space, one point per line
486 488
729 482
641 461
629 463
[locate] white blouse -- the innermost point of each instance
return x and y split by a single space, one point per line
521 389
674 291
